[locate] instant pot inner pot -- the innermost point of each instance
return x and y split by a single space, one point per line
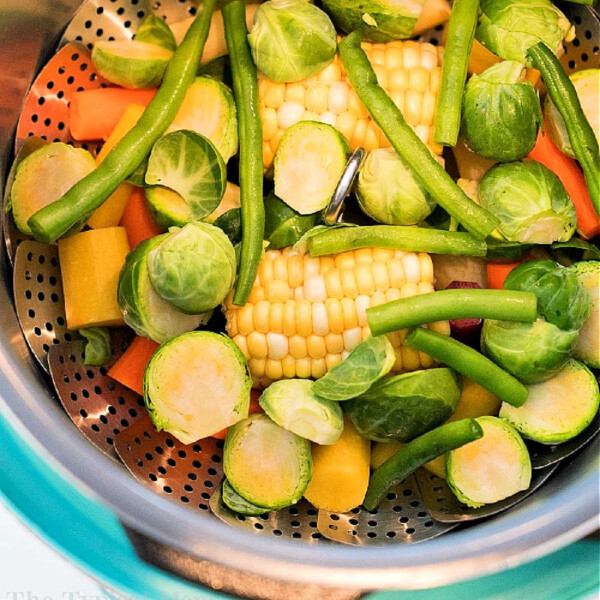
174 520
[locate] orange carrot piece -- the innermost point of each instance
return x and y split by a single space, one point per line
255 408
571 176
93 114
129 369
137 220
497 272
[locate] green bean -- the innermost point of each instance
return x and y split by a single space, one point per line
407 144
461 31
581 135
468 362
245 89
415 454
76 205
408 312
398 237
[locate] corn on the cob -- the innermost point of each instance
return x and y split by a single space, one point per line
306 314
409 71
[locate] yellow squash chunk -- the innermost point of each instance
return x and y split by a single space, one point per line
474 402
110 213
340 472
90 263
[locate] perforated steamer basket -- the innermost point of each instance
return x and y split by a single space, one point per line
275 556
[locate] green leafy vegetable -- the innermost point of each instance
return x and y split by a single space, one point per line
368 362
402 407
283 225
530 202
291 39
97 345
501 113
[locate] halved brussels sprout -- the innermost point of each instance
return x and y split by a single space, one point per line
510 27
292 404
189 164
265 464
403 407
530 202
501 113
368 362
388 191
532 352
193 268
44 176
143 309
291 40
587 349
562 299
232 500
310 160
131 63
587 85
154 30
208 108
490 469
379 20
197 384
557 409
97 345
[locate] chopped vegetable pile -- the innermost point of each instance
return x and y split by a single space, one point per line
450 317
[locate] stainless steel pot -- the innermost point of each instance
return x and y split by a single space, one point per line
201 548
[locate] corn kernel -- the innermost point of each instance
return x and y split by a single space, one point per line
316 98
231 325
364 278
318 367
396 272
257 345
245 319
345 124
303 366
277 291
365 332
261 316
332 359
257 366
352 338
410 358
362 302
304 317
315 289
334 342
349 283
381 278
278 346
349 312
295 271
319 316
412 267
240 342
294 92
280 268
298 347
345 260
335 316
289 113
273 369
311 266
276 317
289 318
409 289
274 93
333 283
426 266
288 366
338 97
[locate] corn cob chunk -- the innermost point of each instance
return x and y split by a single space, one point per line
409 71
306 314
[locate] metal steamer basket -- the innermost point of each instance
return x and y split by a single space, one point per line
166 494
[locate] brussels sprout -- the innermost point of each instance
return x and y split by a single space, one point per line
490 469
97 345
368 362
265 464
587 85
403 407
154 30
293 405
193 268
291 40
189 164
501 113
232 500
509 27
379 20
131 63
44 176
530 202
532 352
283 225
562 299
587 349
208 108
230 201
388 191
557 409
310 160
197 384
143 309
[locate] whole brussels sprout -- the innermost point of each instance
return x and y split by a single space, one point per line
532 352
389 192
193 268
291 40
501 113
510 27
530 201
562 299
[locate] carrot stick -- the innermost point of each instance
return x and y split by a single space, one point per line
137 220
129 369
497 272
93 114
571 176
255 408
